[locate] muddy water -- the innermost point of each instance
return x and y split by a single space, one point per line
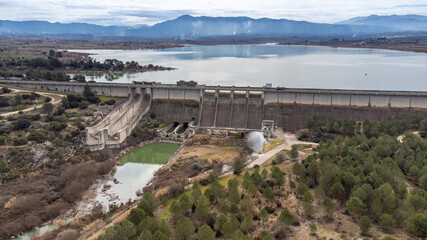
135 171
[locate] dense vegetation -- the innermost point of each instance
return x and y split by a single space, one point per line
375 179
322 130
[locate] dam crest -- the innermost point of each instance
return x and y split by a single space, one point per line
230 107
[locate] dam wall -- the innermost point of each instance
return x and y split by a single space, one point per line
247 107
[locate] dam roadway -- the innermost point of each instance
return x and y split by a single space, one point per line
233 107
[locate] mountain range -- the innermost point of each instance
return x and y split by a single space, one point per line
189 27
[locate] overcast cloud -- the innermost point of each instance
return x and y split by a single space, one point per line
135 12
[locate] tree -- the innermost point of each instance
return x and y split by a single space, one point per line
277 175
329 207
263 214
286 217
301 188
264 235
337 191
246 204
299 170
238 166
308 209
356 206
423 125
148 203
65 103
4 166
294 151
145 235
126 230
87 92
136 216
205 233
159 235
227 229
268 194
387 222
240 236
202 209
47 108
416 226
184 228
247 224
234 195
364 224
196 193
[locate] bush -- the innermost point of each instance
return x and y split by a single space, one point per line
279 158
22 124
48 99
38 136
69 234
110 102
6 90
36 117
83 105
19 141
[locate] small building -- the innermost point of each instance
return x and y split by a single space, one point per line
187 83
267 127
269 85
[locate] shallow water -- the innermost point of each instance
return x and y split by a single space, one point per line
136 169
284 66
36 232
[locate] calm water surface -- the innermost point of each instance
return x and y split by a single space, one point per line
285 66
136 169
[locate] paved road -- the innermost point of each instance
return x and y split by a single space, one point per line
289 140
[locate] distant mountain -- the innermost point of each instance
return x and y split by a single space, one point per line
188 27
193 27
43 27
394 23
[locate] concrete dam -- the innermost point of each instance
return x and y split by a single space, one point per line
229 107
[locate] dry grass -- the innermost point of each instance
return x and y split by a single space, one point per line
271 145
214 154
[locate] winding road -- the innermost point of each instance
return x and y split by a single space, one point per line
56 98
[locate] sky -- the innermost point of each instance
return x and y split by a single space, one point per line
137 12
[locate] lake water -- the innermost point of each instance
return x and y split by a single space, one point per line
284 66
135 171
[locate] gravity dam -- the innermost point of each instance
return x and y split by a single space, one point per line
230 107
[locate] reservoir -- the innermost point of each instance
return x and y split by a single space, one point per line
280 65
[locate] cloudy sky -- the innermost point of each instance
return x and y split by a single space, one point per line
134 12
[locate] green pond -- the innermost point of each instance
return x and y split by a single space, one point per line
157 153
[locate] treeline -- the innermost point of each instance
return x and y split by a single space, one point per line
367 176
321 129
53 63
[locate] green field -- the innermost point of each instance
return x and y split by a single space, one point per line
157 153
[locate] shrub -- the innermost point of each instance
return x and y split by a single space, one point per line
22 124
6 90
19 141
48 99
110 102
36 117
83 105
69 234
38 136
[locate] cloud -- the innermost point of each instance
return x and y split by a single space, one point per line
131 12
